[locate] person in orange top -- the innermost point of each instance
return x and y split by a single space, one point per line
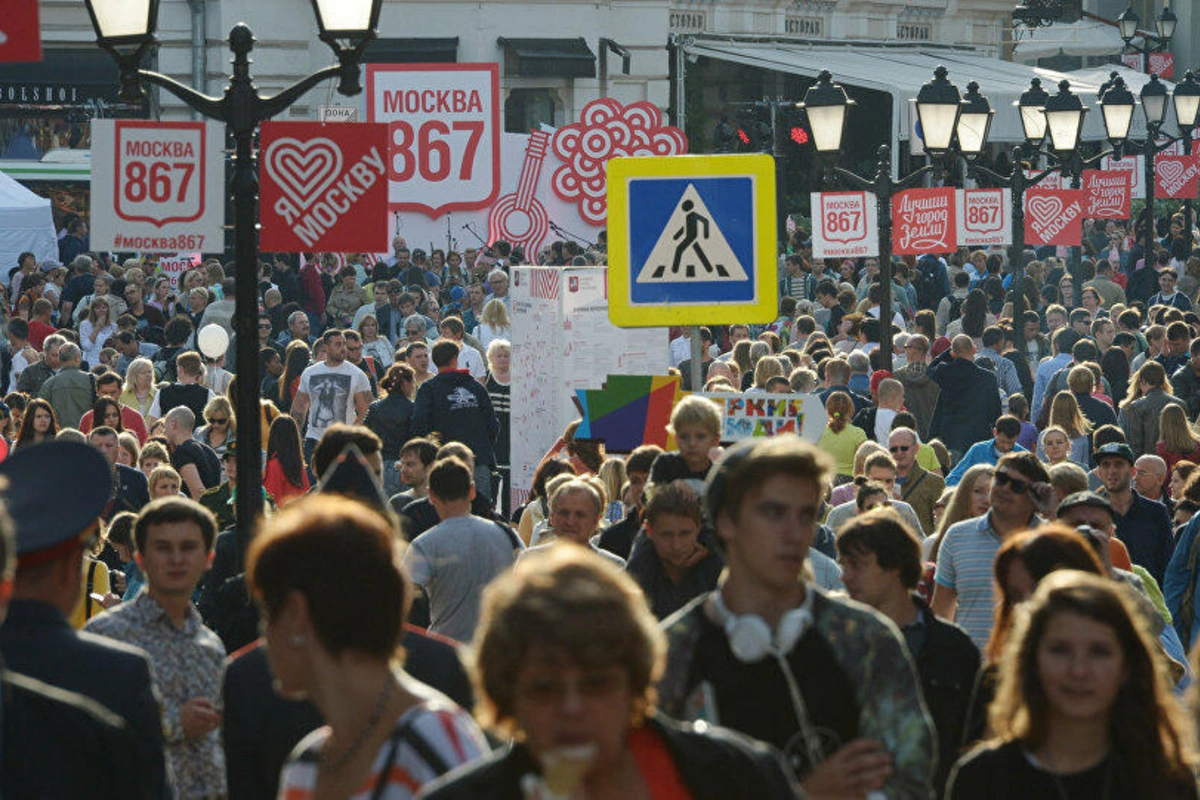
286 476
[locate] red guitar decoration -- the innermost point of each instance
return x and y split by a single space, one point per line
518 218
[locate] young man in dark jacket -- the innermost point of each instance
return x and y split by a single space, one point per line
881 565
458 407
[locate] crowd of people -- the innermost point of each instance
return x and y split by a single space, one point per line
976 579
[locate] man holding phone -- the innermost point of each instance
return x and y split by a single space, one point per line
174 538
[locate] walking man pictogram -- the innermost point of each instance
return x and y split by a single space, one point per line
691 238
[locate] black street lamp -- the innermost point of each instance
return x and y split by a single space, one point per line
1186 101
126 29
1157 42
939 109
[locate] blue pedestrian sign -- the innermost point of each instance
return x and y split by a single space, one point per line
691 240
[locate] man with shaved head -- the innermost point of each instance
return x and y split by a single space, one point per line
969 402
1149 478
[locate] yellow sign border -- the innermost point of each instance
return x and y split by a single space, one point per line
759 167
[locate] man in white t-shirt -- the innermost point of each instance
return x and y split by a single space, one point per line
333 390
469 358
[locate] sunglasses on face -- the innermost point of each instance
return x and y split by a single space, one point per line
1017 486
218 420
900 448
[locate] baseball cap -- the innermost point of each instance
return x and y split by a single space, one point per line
1086 500
1119 449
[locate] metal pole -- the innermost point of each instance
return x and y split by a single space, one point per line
1016 251
883 192
242 120
697 370
1148 154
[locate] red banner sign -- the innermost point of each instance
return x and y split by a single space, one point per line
1162 64
1107 194
324 187
923 221
1176 177
1053 216
20 38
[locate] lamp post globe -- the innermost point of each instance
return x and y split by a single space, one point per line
1154 102
1116 104
1064 113
1033 120
1165 24
1127 23
974 121
939 104
826 105
1187 102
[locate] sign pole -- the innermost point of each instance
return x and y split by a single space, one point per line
697 376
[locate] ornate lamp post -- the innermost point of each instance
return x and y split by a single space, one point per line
940 107
125 28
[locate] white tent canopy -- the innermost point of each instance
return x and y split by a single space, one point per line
26 223
1087 37
901 71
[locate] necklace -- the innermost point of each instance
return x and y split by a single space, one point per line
335 765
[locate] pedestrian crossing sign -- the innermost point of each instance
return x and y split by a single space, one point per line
691 240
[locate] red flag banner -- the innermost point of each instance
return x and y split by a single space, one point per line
1053 216
20 36
1176 177
324 187
1107 194
923 221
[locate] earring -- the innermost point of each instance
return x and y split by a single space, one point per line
297 640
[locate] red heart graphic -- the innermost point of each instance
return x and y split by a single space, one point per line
303 169
1171 172
1045 209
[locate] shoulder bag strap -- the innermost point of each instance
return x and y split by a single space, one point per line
91 583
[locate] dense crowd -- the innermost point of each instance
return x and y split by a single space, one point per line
976 579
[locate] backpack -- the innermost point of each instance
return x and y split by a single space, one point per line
929 288
955 308
232 615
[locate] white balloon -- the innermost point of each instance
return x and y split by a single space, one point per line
213 341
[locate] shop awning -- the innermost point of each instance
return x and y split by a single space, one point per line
901 71
548 58
424 50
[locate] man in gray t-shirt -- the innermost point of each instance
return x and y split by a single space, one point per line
455 559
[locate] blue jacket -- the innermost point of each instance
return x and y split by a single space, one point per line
458 407
984 452
1176 581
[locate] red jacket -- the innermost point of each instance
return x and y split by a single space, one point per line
130 419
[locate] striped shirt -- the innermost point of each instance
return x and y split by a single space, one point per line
427 741
965 565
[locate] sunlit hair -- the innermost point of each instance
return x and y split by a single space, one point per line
1174 431
1065 413
570 608
959 507
840 409
1144 722
1040 552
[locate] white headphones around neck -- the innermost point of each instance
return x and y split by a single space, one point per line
751 638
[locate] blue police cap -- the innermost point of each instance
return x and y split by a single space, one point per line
55 492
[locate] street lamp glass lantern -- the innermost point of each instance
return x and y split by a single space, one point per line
1033 120
1127 23
1187 102
826 105
1154 101
938 107
1165 24
123 22
1064 119
1116 104
974 121
346 19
